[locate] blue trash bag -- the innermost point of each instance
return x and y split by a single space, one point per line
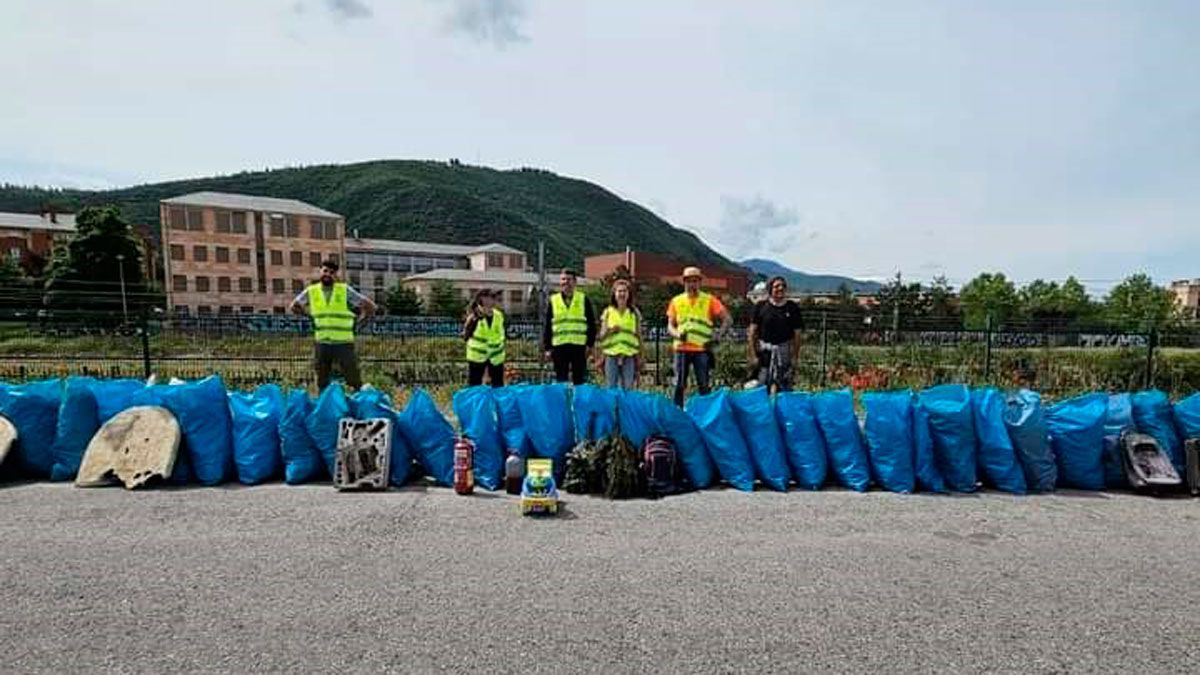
256 417
1187 417
637 419
331 406
476 412
802 438
202 408
1025 421
713 416
756 420
511 426
370 403
689 443
546 414
593 408
113 396
431 437
33 410
78 422
952 425
929 478
843 438
996 457
890 439
1118 419
1077 437
302 460
1152 415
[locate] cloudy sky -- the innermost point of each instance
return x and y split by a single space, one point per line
1035 137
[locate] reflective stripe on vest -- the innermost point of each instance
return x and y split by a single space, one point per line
693 319
570 323
332 319
625 342
486 344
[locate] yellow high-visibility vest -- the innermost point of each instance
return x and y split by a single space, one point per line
569 326
486 344
333 322
626 341
693 320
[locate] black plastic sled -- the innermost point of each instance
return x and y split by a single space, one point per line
1191 448
1146 465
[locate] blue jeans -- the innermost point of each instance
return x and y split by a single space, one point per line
688 360
620 371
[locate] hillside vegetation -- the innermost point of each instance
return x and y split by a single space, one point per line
426 201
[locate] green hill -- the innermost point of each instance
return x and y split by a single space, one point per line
426 201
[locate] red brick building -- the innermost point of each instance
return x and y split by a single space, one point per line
652 268
28 239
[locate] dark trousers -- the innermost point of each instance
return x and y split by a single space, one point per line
570 363
347 362
494 372
685 361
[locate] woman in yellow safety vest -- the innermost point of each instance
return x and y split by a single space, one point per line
620 337
483 330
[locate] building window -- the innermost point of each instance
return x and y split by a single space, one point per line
422 264
177 218
224 284
335 258
314 259
179 283
181 310
239 222
516 261
515 297
277 257
246 285
247 309
400 263
222 254
355 279
202 285
200 253
323 229
195 220
277 310
297 285
293 226
377 261
495 260
223 222
355 261
204 309
297 259
276 226
277 286
225 309
243 256
176 252
379 281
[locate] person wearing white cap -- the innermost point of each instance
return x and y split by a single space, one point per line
691 318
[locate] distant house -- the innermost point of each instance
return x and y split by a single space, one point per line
866 300
492 266
652 268
29 239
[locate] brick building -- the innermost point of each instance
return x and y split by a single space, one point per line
227 253
28 239
651 268
1187 296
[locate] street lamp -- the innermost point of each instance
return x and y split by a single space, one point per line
121 271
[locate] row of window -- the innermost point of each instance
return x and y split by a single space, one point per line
221 255
235 222
204 310
201 284
409 264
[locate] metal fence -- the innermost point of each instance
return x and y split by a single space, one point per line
836 350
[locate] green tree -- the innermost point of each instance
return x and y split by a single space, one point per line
988 294
1138 304
401 300
445 300
901 302
942 306
1046 304
87 273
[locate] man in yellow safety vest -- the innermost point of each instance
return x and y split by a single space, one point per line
569 331
335 308
691 321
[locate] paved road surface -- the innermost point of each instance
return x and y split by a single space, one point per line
303 578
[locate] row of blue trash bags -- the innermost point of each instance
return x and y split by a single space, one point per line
945 438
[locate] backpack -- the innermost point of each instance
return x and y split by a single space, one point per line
660 464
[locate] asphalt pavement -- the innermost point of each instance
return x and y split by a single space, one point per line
420 579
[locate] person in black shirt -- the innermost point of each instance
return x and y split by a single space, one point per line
774 337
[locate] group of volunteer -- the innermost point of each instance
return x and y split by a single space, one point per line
572 331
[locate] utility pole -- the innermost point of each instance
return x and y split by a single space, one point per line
121 271
541 308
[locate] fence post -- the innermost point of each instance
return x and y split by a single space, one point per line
145 331
1151 343
824 344
987 350
657 357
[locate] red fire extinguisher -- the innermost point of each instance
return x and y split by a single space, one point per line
464 466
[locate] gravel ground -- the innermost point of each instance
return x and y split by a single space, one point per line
303 578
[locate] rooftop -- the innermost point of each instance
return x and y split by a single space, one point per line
33 221
495 248
228 200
